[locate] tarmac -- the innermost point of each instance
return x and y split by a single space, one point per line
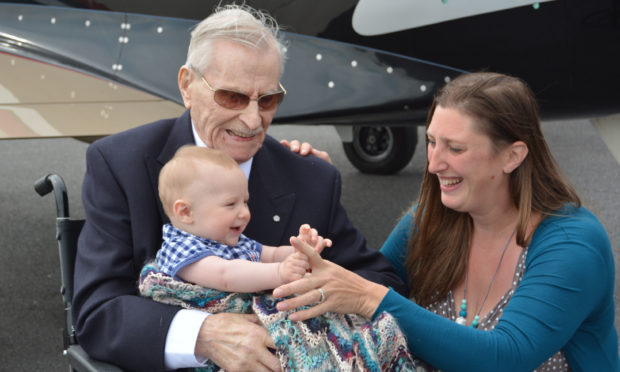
32 314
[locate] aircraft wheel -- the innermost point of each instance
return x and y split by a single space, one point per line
381 150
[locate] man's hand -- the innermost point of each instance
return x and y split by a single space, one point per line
305 149
236 342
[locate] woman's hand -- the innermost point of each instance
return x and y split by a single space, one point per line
305 149
343 291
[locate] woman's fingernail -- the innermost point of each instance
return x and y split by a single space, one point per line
282 306
277 292
293 317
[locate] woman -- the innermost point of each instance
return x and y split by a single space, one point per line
507 269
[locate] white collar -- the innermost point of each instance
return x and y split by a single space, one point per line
245 166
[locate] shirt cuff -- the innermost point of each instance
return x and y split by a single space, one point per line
181 340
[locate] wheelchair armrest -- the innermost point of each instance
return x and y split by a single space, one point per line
81 362
46 184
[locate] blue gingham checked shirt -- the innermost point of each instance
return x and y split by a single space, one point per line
181 248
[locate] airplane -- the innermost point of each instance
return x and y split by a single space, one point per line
89 68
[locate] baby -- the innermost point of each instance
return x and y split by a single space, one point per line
205 262
205 195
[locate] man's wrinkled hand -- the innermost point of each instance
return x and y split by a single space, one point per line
236 342
305 149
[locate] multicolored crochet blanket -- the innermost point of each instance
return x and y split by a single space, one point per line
331 342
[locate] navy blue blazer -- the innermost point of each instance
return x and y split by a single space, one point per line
124 218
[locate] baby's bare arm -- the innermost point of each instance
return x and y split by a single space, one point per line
233 275
276 254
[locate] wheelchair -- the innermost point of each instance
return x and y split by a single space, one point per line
67 233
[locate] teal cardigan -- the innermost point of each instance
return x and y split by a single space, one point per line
565 301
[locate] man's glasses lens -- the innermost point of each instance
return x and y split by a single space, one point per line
231 100
237 101
269 101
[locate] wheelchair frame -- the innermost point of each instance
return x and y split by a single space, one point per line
67 233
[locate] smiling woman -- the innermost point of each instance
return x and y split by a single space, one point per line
497 230
456 148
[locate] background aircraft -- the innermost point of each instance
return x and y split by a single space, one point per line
86 68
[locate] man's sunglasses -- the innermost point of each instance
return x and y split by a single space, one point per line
238 101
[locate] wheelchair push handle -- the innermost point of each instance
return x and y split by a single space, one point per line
46 184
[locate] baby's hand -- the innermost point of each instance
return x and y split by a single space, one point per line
294 267
312 237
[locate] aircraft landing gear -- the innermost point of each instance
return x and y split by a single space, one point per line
380 149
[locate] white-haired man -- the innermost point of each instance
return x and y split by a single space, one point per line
230 86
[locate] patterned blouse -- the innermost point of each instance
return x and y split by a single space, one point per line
446 308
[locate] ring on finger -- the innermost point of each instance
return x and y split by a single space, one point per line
322 295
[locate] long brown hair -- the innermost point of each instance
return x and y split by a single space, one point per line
505 109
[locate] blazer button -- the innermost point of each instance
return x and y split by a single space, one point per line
276 218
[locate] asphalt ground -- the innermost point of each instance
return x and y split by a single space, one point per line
31 315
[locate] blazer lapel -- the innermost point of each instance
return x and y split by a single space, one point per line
271 201
180 134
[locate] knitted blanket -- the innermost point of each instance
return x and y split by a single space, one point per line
331 342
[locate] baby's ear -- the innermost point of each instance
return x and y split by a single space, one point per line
183 211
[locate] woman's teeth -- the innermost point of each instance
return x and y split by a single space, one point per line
450 182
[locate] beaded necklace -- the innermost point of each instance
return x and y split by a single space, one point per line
463 313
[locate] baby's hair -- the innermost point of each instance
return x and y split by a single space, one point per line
178 173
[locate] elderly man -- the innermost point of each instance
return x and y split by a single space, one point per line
230 86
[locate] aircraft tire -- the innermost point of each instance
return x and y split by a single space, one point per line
381 149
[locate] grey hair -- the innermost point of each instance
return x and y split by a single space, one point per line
238 23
